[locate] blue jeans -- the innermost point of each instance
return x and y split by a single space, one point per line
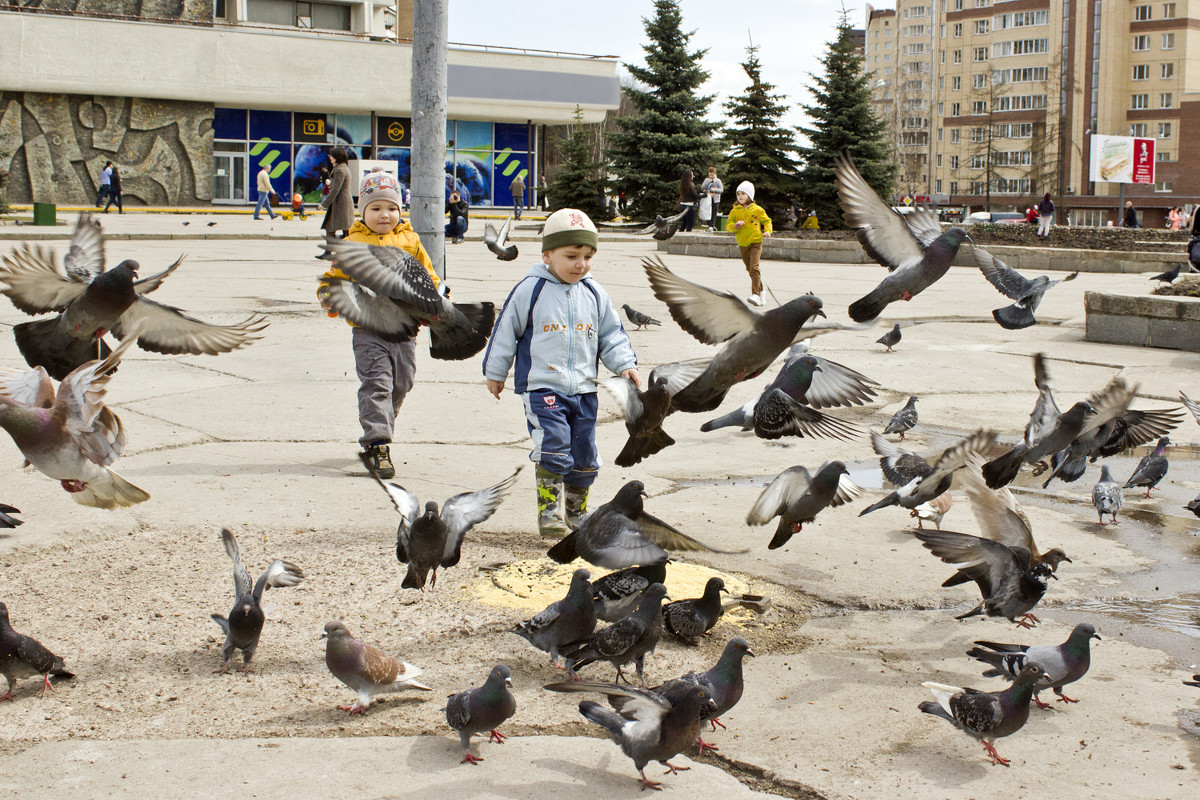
264 201
563 428
456 228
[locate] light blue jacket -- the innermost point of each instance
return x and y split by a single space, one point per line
557 334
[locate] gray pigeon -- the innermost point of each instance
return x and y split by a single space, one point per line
723 682
891 338
618 594
637 318
1106 495
916 251
1045 414
1151 469
1012 284
904 419
644 412
752 340
23 656
1169 276
986 716
1063 664
692 618
245 623
924 486
1191 406
1192 506
626 640
427 541
662 228
7 520
1195 681
497 240
481 709
796 498
365 668
563 622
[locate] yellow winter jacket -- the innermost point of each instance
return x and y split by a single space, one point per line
402 236
756 221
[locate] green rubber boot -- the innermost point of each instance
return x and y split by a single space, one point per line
577 505
549 491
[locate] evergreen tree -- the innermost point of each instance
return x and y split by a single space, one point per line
759 150
667 132
844 120
578 181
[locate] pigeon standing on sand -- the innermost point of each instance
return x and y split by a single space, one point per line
796 498
690 619
245 623
904 419
497 240
1169 276
1106 495
618 594
1063 664
365 668
23 656
482 709
637 318
986 716
1151 469
563 622
626 640
1027 293
891 338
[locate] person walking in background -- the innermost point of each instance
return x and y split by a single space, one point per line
1045 211
517 188
338 203
810 222
688 197
264 194
751 223
713 187
1130 220
114 191
459 211
543 199
105 182
1175 218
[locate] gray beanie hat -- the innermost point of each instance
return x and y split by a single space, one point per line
378 185
569 226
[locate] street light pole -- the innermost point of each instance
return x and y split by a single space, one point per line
429 127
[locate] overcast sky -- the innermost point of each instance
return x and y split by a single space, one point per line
791 35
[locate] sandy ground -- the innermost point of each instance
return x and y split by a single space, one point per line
262 441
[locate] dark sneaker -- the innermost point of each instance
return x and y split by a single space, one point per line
378 460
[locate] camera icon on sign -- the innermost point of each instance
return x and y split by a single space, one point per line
314 127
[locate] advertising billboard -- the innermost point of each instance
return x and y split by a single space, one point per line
1122 159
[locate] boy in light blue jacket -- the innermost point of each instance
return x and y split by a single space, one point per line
557 325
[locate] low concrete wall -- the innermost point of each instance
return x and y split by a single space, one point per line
1143 320
828 251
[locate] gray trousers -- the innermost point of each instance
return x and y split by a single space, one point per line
386 371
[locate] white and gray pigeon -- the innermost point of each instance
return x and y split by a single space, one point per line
662 228
692 618
365 668
1191 405
923 484
426 541
496 240
619 593
244 625
1063 663
1027 293
797 497
482 709
23 656
903 420
637 318
628 640
1152 468
1106 495
563 622
914 249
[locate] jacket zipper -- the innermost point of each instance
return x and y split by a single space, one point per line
570 365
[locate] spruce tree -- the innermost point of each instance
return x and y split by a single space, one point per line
667 133
843 120
578 181
759 150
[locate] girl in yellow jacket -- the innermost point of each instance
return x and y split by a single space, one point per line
751 224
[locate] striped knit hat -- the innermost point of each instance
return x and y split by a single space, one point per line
569 226
378 185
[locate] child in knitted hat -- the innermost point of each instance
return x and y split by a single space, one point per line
386 370
557 325
751 224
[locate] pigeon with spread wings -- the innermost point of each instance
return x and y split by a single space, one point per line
662 228
496 240
797 497
1027 293
644 412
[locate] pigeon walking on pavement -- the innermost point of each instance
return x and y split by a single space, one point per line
23 656
986 716
645 412
1027 293
496 240
482 709
690 619
637 318
1151 469
366 669
891 338
1192 506
244 625
903 420
1106 495
724 682
426 541
1063 664
797 497
628 640
933 510
618 594
563 622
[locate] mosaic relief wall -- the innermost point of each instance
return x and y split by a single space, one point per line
59 144
186 10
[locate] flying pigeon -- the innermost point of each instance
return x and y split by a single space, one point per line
891 338
365 668
1169 276
430 540
1045 414
23 656
621 534
986 716
1015 286
752 339
915 250
900 468
628 639
904 419
245 622
650 726
796 498
618 594
1010 584
1151 469
1106 495
1191 406
392 295
637 318
6 518
480 709
923 486
497 241
933 510
644 412
71 435
1063 664
692 618
91 302
662 228
563 622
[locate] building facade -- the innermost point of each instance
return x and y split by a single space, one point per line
993 102
191 97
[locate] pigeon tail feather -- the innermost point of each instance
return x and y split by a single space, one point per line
869 307
110 491
638 448
458 342
1014 317
614 723
932 707
735 417
564 552
59 354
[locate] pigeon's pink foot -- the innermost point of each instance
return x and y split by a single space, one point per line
1038 702
703 745
996 757
7 696
796 526
1027 621
46 687
1062 698
470 759
73 486
496 736
649 784
1148 492
715 722
672 769
354 709
224 668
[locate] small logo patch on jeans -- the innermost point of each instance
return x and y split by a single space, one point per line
549 399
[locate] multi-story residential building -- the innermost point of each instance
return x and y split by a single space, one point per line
190 97
993 102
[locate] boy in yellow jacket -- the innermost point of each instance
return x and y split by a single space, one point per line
385 369
751 224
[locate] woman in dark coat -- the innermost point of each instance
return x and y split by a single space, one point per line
339 203
688 197
114 191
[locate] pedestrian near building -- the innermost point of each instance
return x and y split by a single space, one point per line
810 222
713 188
264 194
1045 211
114 191
1130 219
517 188
1175 218
543 198
105 182
688 198
751 223
338 204
556 364
459 211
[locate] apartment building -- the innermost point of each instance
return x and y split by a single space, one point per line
993 102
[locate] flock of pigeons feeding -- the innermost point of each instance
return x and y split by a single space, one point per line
70 435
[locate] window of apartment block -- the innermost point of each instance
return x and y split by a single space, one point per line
982 3
887 70
1021 19
1166 99
1168 41
979 107
1138 129
982 26
978 161
941 109
979 80
978 187
956 57
887 59
939 134
956 83
1163 155
1139 101
941 81
1141 42
942 31
939 163
953 187
953 162
1168 11
938 186
941 56
1141 13
957 30
980 54
955 109
888 46
1163 186
1168 70
1164 130
954 136
978 135
1141 72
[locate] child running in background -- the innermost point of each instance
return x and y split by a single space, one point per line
751 224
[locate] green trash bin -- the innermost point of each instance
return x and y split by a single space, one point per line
721 220
44 214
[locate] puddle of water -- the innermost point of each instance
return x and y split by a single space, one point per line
864 475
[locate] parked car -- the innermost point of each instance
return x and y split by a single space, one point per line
1002 217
